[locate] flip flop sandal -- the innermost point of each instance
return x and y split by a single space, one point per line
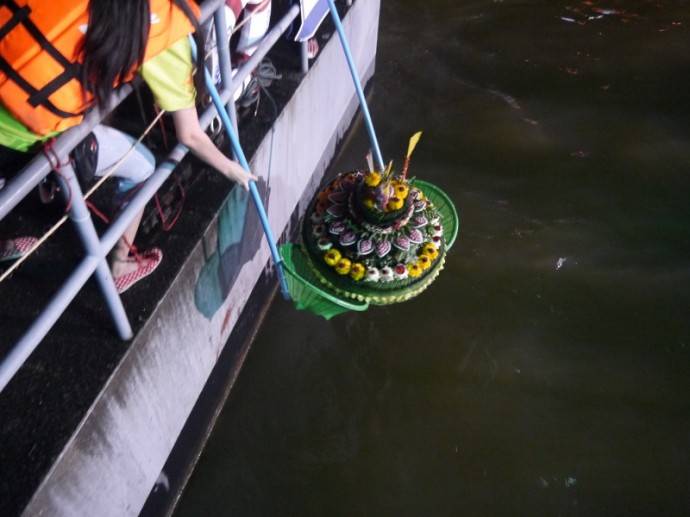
20 246
147 262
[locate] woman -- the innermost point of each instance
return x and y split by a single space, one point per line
121 38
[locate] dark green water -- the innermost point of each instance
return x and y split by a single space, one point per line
546 371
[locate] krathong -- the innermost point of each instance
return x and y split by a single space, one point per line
373 237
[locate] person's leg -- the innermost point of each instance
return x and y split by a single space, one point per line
131 167
258 13
233 9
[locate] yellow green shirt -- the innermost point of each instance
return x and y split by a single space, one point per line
168 75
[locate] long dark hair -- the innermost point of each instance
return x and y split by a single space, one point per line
115 44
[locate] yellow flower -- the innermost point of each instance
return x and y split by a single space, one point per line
332 256
372 179
401 190
343 266
431 250
424 261
395 203
357 271
414 270
370 203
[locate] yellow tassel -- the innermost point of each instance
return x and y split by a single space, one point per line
413 142
388 170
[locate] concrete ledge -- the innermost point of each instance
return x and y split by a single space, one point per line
116 454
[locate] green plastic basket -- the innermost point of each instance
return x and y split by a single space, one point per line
445 207
304 286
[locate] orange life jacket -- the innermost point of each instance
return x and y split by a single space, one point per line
39 44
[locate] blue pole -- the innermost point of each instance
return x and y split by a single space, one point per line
237 148
358 86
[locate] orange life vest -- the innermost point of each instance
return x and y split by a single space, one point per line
39 43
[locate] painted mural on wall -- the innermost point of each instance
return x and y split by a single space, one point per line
238 237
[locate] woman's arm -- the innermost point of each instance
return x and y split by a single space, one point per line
169 77
190 134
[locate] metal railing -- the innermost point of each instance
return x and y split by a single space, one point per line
96 248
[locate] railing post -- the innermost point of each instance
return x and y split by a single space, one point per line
224 61
97 248
303 56
83 223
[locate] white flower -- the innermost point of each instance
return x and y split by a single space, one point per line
324 243
319 230
372 275
386 274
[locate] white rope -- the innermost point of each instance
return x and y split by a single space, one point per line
117 164
93 189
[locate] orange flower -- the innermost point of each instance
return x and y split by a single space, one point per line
321 207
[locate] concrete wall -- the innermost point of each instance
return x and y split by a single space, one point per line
115 456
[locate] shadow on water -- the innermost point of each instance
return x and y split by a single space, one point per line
545 371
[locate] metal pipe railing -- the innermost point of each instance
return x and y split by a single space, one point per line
26 181
96 248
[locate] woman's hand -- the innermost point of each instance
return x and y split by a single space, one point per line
190 134
237 174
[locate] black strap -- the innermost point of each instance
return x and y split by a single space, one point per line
14 76
20 15
23 14
40 97
37 97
